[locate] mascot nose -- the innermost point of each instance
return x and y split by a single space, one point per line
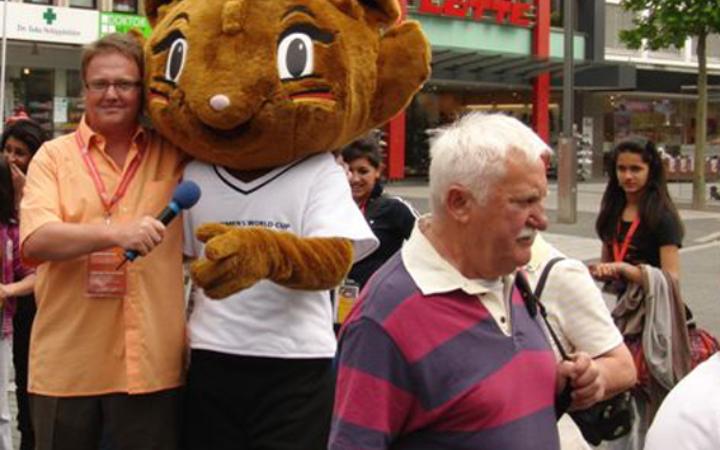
219 102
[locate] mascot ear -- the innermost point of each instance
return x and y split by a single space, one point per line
403 67
385 12
155 10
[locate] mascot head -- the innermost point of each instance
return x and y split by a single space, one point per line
254 84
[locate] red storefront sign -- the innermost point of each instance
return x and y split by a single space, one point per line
505 11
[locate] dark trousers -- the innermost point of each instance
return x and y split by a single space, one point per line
130 422
250 403
22 324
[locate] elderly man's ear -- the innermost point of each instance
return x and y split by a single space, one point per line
459 202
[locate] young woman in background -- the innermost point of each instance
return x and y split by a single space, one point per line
15 281
19 142
639 225
391 219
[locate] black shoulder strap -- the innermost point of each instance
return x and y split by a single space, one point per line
543 276
543 313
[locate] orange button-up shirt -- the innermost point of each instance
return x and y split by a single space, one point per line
89 346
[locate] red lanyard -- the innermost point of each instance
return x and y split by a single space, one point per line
108 201
619 253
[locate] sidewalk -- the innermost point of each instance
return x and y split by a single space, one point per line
579 240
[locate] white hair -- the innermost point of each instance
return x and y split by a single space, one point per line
473 152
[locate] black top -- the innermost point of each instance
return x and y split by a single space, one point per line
392 221
646 242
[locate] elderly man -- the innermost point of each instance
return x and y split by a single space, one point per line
441 352
108 342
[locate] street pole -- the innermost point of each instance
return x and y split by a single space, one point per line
567 160
2 68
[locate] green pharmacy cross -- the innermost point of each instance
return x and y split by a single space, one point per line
49 16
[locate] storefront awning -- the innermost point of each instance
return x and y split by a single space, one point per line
478 68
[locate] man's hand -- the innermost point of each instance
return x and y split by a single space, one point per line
141 235
588 386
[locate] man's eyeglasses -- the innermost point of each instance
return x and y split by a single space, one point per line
123 86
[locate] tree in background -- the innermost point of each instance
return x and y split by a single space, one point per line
664 23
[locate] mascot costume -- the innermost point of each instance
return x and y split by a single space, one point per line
259 92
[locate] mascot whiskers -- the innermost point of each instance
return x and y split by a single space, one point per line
259 92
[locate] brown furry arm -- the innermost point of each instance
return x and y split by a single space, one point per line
237 258
310 263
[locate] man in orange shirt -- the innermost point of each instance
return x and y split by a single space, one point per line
107 345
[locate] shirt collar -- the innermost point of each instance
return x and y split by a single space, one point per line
432 273
90 137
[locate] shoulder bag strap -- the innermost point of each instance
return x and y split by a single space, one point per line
543 276
543 313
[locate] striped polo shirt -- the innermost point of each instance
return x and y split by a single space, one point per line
434 370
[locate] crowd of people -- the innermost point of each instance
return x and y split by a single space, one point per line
444 348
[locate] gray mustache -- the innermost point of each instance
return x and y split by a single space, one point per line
527 233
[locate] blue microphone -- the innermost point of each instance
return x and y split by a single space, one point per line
185 196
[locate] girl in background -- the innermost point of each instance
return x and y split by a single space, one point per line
390 218
21 139
15 281
641 232
638 222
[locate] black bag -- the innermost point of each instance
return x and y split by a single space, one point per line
604 421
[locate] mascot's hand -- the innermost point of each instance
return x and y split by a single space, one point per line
237 258
233 261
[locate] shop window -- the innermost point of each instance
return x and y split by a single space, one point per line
35 92
437 106
125 6
72 106
89 4
39 2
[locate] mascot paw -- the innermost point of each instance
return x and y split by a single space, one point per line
234 260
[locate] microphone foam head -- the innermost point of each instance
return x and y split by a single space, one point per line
186 194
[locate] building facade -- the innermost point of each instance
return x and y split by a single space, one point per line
484 60
488 55
503 56
663 105
44 43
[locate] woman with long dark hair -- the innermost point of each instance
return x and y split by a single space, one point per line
15 280
19 142
642 232
638 222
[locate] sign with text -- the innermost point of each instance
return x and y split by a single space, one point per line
28 22
504 11
122 23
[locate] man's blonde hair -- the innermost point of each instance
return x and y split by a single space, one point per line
122 43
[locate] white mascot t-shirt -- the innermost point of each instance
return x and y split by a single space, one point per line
310 198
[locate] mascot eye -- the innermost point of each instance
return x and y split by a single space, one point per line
295 56
176 59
